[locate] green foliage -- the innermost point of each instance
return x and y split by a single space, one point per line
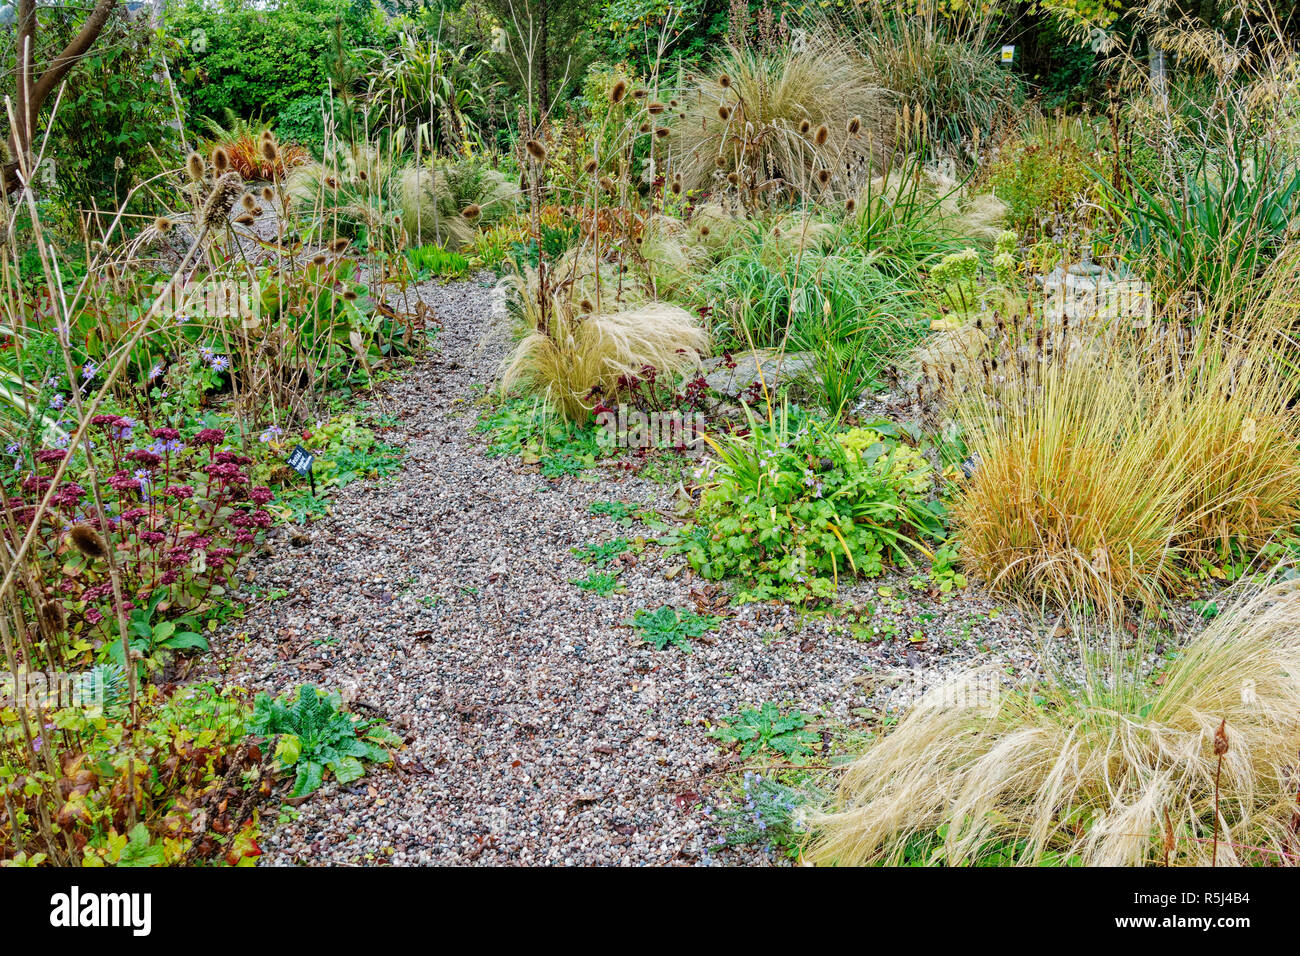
115 125
1216 232
1043 180
766 812
667 625
179 755
527 429
151 638
302 121
316 736
620 511
795 505
434 261
603 583
602 555
767 729
238 56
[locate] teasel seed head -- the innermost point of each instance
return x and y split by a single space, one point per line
195 167
724 112
268 194
349 295
850 204
163 224
644 128
220 160
586 306
331 182
654 109
704 229
855 124
590 167
339 244
805 127
54 616
536 150
270 152
733 178
607 184
244 219
247 201
638 94
823 177
823 134
724 81
88 541
319 259
472 211
661 131
617 92
225 193
363 176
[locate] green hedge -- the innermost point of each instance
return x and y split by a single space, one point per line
256 61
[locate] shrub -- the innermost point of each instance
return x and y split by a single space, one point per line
1121 771
1043 180
181 773
302 121
794 506
246 145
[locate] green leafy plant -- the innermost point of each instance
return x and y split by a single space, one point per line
667 625
603 583
768 729
795 505
150 637
316 736
604 554
434 261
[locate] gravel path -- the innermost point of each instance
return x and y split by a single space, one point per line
537 730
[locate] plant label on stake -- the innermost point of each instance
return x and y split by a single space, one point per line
300 460
1008 53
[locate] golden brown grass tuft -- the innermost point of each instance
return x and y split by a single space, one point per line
1106 458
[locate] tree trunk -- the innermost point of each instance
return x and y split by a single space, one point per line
34 90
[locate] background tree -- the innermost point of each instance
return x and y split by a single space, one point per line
38 75
546 45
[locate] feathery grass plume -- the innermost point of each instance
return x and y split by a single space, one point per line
822 82
433 196
575 359
88 541
195 167
225 193
1100 773
617 92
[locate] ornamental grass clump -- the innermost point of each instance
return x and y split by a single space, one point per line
1108 460
1125 770
776 123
